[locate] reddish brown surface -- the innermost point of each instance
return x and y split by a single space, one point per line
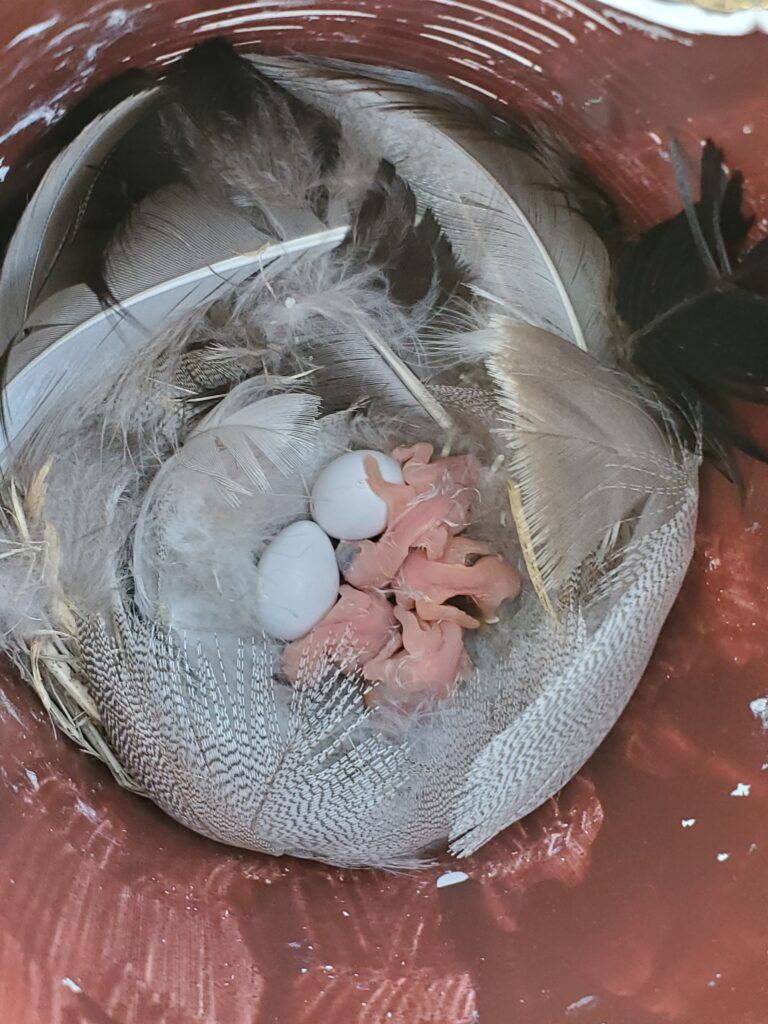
602 907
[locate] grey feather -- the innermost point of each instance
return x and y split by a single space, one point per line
575 678
83 351
586 452
53 211
171 233
527 249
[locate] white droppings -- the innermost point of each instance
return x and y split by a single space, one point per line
747 129
451 878
33 780
759 709
687 822
86 810
582 1004
71 985
723 857
741 789
345 913
34 30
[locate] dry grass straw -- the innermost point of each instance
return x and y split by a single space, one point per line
49 660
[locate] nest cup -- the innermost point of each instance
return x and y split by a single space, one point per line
542 59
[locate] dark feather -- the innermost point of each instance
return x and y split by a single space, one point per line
218 89
695 307
26 176
459 110
415 256
222 96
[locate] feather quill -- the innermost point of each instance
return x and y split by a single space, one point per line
84 350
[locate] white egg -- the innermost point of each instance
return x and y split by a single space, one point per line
342 500
297 581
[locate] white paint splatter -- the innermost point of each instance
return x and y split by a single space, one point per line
79 26
117 18
687 822
312 12
46 112
582 1004
33 30
741 789
9 708
86 810
723 857
759 709
694 20
71 985
471 85
452 878
653 31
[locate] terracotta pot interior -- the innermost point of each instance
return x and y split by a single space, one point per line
639 894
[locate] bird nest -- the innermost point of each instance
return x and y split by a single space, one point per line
48 660
334 521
